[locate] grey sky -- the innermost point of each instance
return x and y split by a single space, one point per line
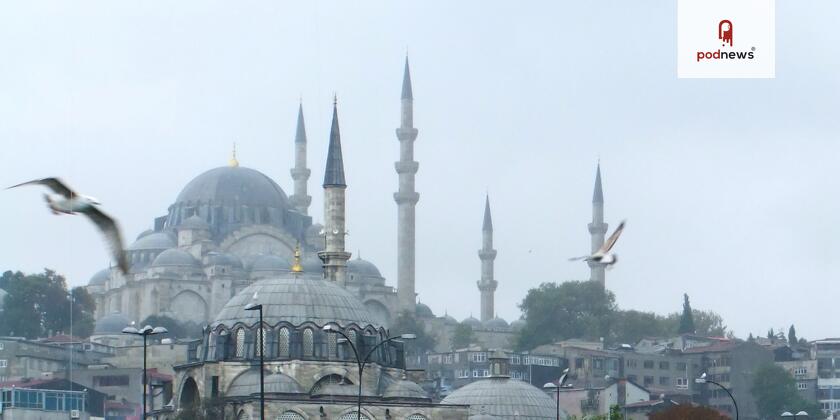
729 186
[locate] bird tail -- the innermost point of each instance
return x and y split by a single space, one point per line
50 204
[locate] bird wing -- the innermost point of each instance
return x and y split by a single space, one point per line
612 239
111 230
579 258
54 184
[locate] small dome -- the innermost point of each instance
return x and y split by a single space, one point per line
248 383
111 324
505 398
153 241
194 222
219 258
270 263
404 389
296 299
517 325
495 324
472 322
450 320
363 268
146 232
100 278
423 311
175 258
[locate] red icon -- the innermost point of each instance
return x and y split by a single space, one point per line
725 32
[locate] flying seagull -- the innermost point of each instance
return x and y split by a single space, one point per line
67 201
603 255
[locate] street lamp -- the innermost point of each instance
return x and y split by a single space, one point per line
559 385
145 332
702 380
253 306
361 362
799 414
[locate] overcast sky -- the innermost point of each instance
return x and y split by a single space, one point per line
729 186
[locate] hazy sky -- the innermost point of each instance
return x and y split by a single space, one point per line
729 186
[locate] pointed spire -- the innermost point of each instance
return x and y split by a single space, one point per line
300 134
233 162
598 195
296 267
488 221
406 88
334 175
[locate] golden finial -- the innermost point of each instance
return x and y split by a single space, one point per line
296 267
233 162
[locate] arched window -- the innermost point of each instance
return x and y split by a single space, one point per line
332 345
352 335
240 342
260 347
353 416
417 417
308 342
283 342
290 415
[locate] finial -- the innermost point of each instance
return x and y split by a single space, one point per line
296 267
335 99
233 163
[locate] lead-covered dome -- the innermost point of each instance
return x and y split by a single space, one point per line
296 299
175 258
505 398
155 241
363 272
234 185
111 324
100 278
248 383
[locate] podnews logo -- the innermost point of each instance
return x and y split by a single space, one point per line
725 36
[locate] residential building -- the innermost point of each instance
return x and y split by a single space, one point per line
589 365
597 400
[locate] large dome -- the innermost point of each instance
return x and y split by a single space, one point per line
233 185
505 398
297 300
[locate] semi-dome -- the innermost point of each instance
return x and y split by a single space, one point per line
100 278
270 263
495 324
405 389
221 258
111 324
153 241
472 322
297 300
194 222
361 271
248 383
423 311
175 258
234 185
505 398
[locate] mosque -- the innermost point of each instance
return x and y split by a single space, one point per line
233 236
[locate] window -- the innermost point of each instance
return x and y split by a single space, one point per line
290 415
416 417
308 342
632 378
485 373
475 374
479 357
2 345
111 380
579 363
800 371
240 343
648 380
4 363
801 386
332 345
682 383
664 365
353 416
260 341
648 364
664 381
283 342
681 367
463 373
631 363
597 363
515 359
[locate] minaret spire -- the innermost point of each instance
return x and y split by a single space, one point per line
406 198
487 285
597 229
300 173
334 256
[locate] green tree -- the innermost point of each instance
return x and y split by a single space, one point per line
615 413
792 340
688 412
568 310
462 337
771 334
407 323
774 390
687 318
628 327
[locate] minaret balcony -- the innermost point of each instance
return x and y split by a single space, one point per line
301 173
404 133
407 167
487 254
406 197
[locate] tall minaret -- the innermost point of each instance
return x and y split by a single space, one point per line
333 255
487 285
406 199
300 173
597 228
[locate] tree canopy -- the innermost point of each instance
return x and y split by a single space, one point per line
774 390
38 305
687 317
407 323
688 412
462 337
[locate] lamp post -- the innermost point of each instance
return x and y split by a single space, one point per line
145 332
559 385
702 380
361 362
258 307
799 414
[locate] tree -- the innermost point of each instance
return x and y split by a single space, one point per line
688 412
568 310
615 413
751 338
687 318
792 340
774 390
39 304
407 323
771 334
628 327
462 337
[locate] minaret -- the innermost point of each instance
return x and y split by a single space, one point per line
406 199
597 228
487 285
333 255
300 173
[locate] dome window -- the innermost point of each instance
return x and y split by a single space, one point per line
308 342
260 346
290 415
283 342
353 416
332 345
240 343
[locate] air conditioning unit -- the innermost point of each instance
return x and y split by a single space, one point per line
75 414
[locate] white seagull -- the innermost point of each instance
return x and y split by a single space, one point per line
603 255
67 201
